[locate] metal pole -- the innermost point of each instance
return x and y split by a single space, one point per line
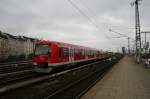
128 45
145 45
137 31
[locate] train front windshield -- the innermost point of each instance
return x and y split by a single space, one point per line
43 50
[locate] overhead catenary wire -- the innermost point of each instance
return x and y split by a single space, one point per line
78 8
84 14
123 35
94 15
119 33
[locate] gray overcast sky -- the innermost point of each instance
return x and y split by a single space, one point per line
59 20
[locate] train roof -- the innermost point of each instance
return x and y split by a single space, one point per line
65 44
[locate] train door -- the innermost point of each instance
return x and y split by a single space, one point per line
71 55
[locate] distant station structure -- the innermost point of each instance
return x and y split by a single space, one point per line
123 50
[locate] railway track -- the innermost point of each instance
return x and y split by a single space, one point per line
77 88
5 63
50 86
15 66
11 77
14 76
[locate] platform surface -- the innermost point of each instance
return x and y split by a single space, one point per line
126 80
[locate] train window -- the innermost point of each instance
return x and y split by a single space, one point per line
83 52
80 52
90 52
76 52
87 52
63 52
66 52
42 50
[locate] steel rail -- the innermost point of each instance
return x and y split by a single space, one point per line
10 77
39 79
13 73
74 83
8 68
90 86
15 62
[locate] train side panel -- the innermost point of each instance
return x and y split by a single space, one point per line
62 54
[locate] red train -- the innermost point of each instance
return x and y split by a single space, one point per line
50 54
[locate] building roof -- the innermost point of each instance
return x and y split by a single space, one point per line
21 38
3 36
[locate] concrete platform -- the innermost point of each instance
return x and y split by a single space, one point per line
126 80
